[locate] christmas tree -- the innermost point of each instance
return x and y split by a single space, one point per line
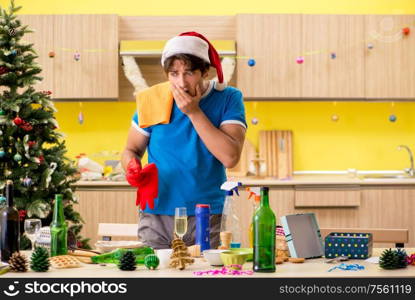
32 152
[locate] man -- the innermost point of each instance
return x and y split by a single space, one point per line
203 136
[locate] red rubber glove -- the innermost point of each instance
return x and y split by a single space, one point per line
146 181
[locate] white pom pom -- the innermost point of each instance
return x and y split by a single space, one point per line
220 86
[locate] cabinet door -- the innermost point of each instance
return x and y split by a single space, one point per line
391 207
105 206
390 71
95 74
42 38
333 49
274 41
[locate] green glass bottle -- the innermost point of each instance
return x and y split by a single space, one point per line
115 255
264 235
58 229
9 225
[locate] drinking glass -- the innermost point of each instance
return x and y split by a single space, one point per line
32 229
180 221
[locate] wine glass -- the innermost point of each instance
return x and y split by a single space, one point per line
180 221
32 229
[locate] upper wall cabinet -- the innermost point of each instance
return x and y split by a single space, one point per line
85 61
273 41
333 50
343 56
42 38
390 63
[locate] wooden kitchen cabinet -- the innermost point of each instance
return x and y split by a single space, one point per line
390 71
94 37
390 207
105 205
379 206
42 39
335 66
329 196
373 58
280 200
275 42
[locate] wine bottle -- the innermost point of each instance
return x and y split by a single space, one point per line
10 225
58 229
264 235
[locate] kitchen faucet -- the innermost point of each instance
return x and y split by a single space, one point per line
410 170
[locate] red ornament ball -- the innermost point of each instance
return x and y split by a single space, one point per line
406 30
18 121
26 126
22 214
300 60
3 70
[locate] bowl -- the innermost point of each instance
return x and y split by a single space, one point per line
164 257
233 258
213 256
249 251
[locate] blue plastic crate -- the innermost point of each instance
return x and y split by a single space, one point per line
354 245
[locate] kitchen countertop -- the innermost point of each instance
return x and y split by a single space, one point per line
295 180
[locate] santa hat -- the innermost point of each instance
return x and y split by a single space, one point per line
196 44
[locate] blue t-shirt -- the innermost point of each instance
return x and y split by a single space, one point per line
188 173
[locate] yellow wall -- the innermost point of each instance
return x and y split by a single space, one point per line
363 138
214 7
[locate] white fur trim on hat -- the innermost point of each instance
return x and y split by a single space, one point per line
186 45
220 86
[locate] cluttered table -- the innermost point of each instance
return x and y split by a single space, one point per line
311 268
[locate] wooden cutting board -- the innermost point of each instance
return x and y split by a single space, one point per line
275 146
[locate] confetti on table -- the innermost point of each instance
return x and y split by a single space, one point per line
411 259
224 271
348 267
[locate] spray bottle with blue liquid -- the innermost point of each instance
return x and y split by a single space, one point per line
230 222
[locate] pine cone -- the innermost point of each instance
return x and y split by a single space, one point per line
389 260
40 260
402 258
127 262
18 262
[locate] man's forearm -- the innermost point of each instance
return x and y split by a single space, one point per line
225 148
126 156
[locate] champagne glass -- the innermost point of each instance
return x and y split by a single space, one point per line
180 221
32 229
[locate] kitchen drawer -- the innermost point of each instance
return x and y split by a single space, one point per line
330 196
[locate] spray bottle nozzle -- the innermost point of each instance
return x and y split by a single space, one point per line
254 191
230 187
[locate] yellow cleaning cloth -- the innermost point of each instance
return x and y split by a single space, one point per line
154 105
